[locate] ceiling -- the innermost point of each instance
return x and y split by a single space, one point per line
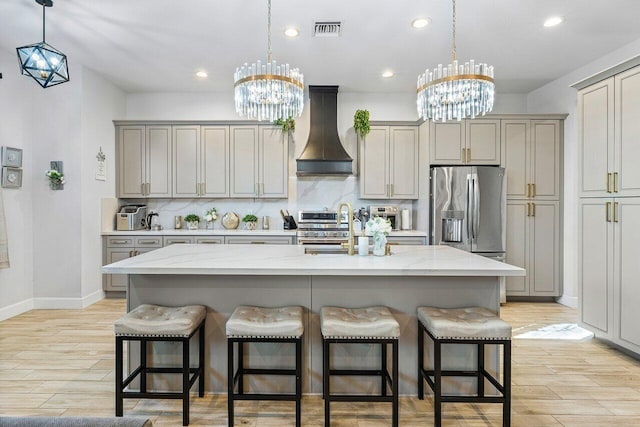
156 46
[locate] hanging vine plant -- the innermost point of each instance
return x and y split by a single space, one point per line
287 125
361 122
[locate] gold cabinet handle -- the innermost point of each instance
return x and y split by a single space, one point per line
608 209
390 190
118 242
464 155
533 190
142 188
148 188
130 254
533 206
608 182
528 209
615 211
148 242
528 190
257 243
468 155
615 182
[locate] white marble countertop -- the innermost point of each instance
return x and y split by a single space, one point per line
236 232
291 260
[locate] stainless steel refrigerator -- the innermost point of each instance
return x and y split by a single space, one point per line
468 210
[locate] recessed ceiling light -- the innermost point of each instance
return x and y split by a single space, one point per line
553 21
202 74
420 22
291 32
387 74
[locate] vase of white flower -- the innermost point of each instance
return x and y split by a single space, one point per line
379 228
210 216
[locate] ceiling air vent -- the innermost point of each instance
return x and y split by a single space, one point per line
327 29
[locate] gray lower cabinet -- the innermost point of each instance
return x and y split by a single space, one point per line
173 240
407 240
258 240
119 248
215 240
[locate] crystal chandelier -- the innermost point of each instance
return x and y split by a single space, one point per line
456 91
41 61
268 91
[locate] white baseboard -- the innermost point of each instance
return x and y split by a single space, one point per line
52 303
16 309
569 301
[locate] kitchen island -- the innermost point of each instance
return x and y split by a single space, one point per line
225 276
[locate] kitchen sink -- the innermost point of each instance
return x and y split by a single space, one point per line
325 251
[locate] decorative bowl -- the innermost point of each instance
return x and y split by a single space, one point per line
230 220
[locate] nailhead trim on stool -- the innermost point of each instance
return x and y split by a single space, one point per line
249 324
149 323
472 325
370 325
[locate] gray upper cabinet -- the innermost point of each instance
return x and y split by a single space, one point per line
474 142
389 163
200 161
626 179
144 161
259 162
531 155
595 139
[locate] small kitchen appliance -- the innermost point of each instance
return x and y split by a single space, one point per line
131 217
390 212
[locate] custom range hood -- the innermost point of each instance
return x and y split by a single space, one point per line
324 154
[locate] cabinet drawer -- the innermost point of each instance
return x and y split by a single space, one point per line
172 240
417 240
210 240
148 242
120 242
248 240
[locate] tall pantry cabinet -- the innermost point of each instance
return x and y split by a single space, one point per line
531 154
609 208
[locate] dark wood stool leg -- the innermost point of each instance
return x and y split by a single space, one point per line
325 382
240 367
230 387
506 381
395 381
119 376
143 365
437 379
201 349
480 369
185 382
383 369
420 361
298 382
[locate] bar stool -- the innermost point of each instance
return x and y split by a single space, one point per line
473 325
371 325
148 323
255 325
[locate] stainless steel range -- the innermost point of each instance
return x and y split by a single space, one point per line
321 228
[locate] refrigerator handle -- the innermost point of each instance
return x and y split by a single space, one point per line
476 206
468 211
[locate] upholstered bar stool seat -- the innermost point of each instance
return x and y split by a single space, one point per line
468 325
249 324
147 323
371 325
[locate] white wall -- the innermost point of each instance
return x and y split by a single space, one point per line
54 243
559 97
16 97
101 103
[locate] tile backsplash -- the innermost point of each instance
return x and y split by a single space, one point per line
304 193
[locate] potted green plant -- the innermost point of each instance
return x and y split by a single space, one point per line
287 125
361 122
250 221
192 221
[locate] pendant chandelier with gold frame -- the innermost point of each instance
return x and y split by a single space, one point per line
456 91
268 91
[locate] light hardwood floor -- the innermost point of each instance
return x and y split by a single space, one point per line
61 362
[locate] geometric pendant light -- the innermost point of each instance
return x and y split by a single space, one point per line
456 91
41 61
268 91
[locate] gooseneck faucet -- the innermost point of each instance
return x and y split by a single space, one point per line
351 242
